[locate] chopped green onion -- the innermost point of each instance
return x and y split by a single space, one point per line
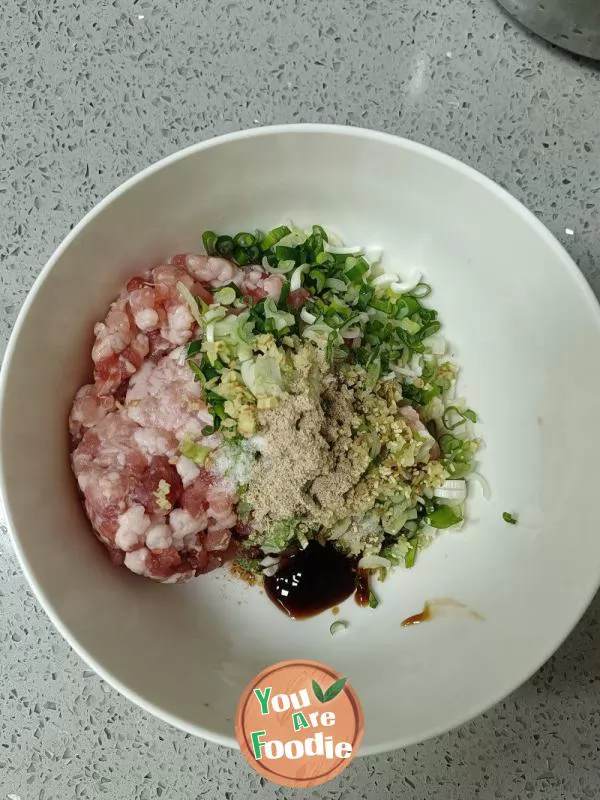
421 290
281 319
293 239
337 627
467 414
254 254
193 348
319 278
355 268
241 257
408 305
332 340
244 240
381 305
285 253
356 319
273 236
410 326
296 277
225 296
336 284
224 246
445 517
195 452
190 301
321 232
214 313
373 601
509 518
325 259
384 318
373 372
198 374
283 297
430 330
209 240
338 306
409 558
364 296
284 266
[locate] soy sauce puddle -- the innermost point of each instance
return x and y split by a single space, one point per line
313 580
317 578
440 607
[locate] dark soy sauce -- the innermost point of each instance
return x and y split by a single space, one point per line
363 591
311 581
416 619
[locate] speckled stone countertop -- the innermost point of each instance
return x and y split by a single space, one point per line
92 92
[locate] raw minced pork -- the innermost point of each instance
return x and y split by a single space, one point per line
158 512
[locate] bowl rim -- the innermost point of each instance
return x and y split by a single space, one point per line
264 131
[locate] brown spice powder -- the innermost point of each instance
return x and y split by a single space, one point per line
313 459
295 454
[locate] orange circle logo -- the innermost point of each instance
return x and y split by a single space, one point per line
299 723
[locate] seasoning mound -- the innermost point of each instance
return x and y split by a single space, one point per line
296 455
334 449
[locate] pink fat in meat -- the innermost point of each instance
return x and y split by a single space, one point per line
88 409
221 513
119 349
258 284
165 396
157 305
215 272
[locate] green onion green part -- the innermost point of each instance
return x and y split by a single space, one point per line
409 559
445 517
209 240
244 240
224 246
272 237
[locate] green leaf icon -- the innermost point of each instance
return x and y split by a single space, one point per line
334 689
318 691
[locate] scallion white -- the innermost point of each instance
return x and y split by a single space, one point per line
296 279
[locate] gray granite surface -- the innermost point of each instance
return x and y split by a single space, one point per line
90 93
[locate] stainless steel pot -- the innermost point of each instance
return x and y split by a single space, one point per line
571 24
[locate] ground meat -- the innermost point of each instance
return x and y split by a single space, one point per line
164 396
158 513
148 491
298 298
88 409
139 508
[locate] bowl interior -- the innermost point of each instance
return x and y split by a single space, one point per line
525 329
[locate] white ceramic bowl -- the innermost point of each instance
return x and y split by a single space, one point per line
525 327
